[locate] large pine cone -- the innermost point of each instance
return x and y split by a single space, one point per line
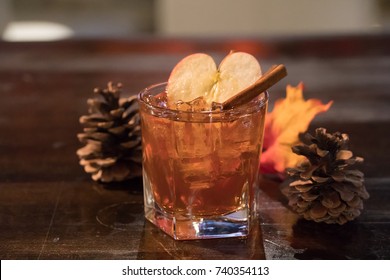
112 137
323 188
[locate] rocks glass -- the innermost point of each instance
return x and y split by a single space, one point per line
200 168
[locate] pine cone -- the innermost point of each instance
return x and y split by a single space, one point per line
323 188
112 135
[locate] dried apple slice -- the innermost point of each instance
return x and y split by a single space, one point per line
197 76
192 77
237 71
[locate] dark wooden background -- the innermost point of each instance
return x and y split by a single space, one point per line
51 209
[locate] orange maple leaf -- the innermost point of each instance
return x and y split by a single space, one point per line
290 117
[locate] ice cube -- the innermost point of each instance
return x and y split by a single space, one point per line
159 100
194 140
216 107
201 184
197 105
183 106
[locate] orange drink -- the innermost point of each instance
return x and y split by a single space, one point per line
200 167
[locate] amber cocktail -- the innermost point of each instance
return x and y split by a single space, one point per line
200 168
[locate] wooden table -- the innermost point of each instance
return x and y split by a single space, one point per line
51 209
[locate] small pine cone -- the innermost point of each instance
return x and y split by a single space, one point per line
112 136
323 188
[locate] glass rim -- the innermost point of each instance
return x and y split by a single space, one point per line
251 107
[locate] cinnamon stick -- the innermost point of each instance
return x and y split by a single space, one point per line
271 77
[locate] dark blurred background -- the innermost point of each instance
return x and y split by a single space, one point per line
37 20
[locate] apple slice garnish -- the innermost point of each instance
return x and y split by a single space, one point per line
237 71
192 77
198 76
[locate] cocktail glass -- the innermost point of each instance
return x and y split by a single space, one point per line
200 168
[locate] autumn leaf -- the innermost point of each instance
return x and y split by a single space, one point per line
290 117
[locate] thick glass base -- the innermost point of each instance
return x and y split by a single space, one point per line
235 224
